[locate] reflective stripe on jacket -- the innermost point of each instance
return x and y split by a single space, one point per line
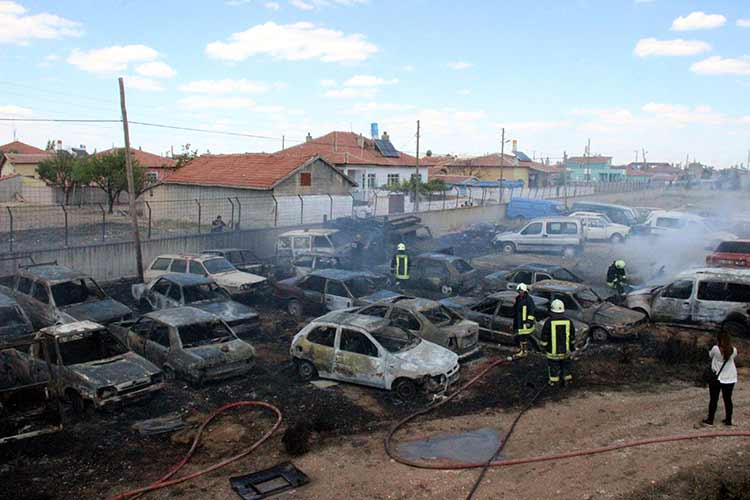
402 266
558 336
524 322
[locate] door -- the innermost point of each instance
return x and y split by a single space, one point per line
157 295
42 305
409 322
715 300
518 277
337 296
158 344
138 334
322 353
313 288
531 237
672 303
594 228
358 359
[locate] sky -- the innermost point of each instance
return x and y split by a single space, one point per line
671 77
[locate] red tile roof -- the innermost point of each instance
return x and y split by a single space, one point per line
590 159
634 172
452 179
27 158
547 169
145 159
20 147
490 160
246 170
342 148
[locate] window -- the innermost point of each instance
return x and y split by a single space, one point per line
302 243
534 228
304 261
734 247
321 242
76 292
327 263
197 268
542 277
218 265
174 293
462 266
570 304
379 311
371 181
161 287
440 315
565 275
143 326
314 284
198 334
305 179
588 298
322 335
179 266
724 292
434 269
24 285
234 257
522 277
360 287
668 222
405 320
357 343
152 177
562 228
393 179
160 264
40 293
208 291
336 288
160 335
679 290
285 243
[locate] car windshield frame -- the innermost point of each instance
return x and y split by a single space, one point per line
387 338
212 293
61 292
194 334
585 303
107 348
210 264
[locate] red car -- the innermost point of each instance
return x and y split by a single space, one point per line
730 254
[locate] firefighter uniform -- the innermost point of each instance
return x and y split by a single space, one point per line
400 264
524 323
558 341
617 277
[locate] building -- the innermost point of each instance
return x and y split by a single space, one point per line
157 167
20 158
593 169
543 175
491 167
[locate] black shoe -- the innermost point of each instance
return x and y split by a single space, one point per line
726 422
707 422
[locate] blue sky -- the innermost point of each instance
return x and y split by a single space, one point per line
669 76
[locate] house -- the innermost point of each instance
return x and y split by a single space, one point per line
157 167
255 190
491 167
593 169
543 175
20 158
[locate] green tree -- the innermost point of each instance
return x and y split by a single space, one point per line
428 153
186 154
59 171
108 172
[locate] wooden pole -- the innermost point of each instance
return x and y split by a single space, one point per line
131 184
416 180
502 162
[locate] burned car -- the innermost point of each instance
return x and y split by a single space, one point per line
327 289
711 298
175 290
53 294
187 343
372 351
430 321
582 303
89 367
14 324
447 274
243 260
528 274
306 263
494 314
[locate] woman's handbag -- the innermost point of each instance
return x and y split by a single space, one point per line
710 377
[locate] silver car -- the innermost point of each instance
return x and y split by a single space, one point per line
546 234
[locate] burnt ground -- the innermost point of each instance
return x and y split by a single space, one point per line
100 454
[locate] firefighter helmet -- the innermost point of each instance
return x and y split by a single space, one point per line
401 247
557 306
522 287
620 264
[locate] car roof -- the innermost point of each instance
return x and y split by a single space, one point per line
180 316
341 274
557 286
310 232
345 318
71 328
557 218
188 256
53 273
583 213
439 256
416 304
721 273
599 204
185 279
204 252
510 295
675 214
537 266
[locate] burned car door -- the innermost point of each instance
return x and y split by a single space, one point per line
41 304
715 300
358 359
407 321
337 296
322 339
313 288
672 303
158 344
157 295
519 277
138 334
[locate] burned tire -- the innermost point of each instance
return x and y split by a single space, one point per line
405 389
599 335
735 329
507 248
294 308
616 239
306 371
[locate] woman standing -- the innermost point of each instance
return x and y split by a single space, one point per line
722 363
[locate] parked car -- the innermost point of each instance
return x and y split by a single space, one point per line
53 294
682 226
176 290
598 227
219 269
494 314
525 209
327 290
89 367
306 263
528 274
730 254
372 351
559 234
14 324
243 259
321 240
711 298
187 343
429 320
605 320
447 274
618 214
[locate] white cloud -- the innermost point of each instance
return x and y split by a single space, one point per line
293 42
652 47
312 4
302 5
226 86
142 83
698 21
372 106
743 23
208 102
110 60
353 92
535 126
718 65
614 116
458 65
358 86
18 27
52 58
464 92
368 81
9 110
328 83
680 116
156 69
272 5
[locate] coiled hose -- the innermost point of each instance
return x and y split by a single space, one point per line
165 480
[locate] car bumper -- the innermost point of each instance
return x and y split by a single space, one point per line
128 395
631 331
221 372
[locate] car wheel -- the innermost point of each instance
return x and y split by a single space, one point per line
569 252
735 329
446 290
599 335
616 239
405 389
294 307
306 370
508 248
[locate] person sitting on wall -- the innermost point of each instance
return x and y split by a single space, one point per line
217 225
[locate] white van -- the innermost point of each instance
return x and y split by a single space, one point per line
301 241
557 234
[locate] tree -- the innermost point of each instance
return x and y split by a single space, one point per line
59 171
428 153
109 173
186 154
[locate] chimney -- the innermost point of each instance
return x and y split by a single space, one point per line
515 146
59 145
360 141
386 137
308 138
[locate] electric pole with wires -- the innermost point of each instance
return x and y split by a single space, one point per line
416 175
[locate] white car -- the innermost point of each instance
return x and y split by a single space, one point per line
598 227
368 350
684 226
215 267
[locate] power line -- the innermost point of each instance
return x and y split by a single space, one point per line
57 120
190 129
46 91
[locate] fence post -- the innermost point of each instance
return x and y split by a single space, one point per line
231 224
352 195
301 209
275 211
483 194
104 222
330 212
471 195
444 196
199 215
239 212
65 213
12 236
148 207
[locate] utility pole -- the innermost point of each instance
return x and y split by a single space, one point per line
416 178
643 155
502 162
131 183
565 177
282 142
636 158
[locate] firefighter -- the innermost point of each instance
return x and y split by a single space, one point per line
357 251
559 342
617 278
400 264
524 323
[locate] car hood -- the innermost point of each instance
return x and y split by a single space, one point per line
463 328
230 311
427 358
237 278
506 234
118 370
15 331
208 356
610 314
459 302
101 311
378 296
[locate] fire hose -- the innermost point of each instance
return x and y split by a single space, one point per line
534 459
165 480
